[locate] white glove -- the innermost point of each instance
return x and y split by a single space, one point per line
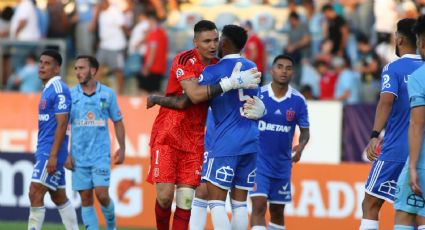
248 79
254 108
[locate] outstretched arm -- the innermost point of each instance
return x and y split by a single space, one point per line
172 102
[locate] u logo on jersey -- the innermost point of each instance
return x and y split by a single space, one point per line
290 114
42 104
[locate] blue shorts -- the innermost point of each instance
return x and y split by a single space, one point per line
84 178
40 175
232 171
405 199
382 180
204 166
276 190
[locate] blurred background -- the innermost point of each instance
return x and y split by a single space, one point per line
337 50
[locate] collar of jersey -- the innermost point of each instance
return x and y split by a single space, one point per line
97 88
230 56
287 95
414 56
51 80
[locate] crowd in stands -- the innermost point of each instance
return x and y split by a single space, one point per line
339 46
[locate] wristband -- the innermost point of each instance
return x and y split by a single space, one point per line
374 134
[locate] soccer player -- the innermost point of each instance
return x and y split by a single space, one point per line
286 108
231 160
392 113
49 174
92 105
177 135
409 202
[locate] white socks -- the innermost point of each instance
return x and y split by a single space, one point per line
36 218
240 215
258 227
69 216
198 214
367 224
219 216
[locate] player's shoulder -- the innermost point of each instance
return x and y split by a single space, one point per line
248 64
400 64
296 94
419 73
57 86
185 57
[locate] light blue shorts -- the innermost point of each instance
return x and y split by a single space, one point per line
84 178
276 190
405 199
231 171
40 175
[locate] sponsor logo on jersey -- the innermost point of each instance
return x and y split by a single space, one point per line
90 121
264 126
179 73
290 115
43 117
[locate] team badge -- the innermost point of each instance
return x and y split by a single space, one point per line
42 104
290 115
179 72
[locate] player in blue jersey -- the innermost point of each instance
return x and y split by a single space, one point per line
410 201
286 108
392 113
232 157
49 174
93 104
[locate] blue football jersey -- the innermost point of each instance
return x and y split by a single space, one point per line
394 80
277 129
55 99
233 133
416 89
90 142
209 133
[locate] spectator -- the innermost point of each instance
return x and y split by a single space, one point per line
315 21
328 80
307 92
337 30
112 41
26 80
84 19
6 16
386 15
24 22
254 49
369 69
59 23
347 85
298 43
155 59
136 46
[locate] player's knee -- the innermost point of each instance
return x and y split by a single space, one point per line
371 204
165 200
202 192
259 209
103 198
276 213
184 197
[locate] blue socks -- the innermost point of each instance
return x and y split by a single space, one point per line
89 218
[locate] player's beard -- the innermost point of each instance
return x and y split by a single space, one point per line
87 79
397 51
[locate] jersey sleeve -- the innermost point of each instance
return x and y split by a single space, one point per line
183 71
389 81
416 91
206 77
303 120
62 103
114 110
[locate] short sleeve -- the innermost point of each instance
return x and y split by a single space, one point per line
62 103
389 81
206 77
114 110
183 72
416 91
303 120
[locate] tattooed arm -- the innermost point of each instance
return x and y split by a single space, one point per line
199 93
172 102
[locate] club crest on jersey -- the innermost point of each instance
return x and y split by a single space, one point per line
42 104
290 115
179 72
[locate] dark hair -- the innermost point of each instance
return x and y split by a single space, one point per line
204 25
419 28
53 54
294 15
405 27
7 13
327 7
152 14
362 38
236 34
92 61
283 56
